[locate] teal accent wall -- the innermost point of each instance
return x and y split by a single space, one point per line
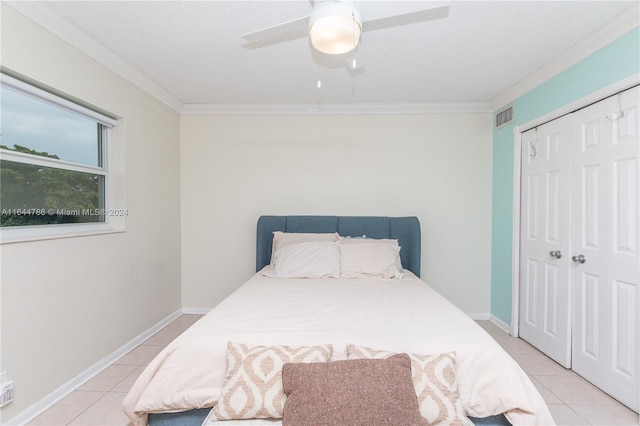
612 63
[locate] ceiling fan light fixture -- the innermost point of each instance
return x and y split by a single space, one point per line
335 27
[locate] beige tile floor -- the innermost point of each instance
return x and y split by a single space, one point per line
99 401
571 399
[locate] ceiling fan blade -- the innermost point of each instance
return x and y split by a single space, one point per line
290 30
375 10
406 19
376 15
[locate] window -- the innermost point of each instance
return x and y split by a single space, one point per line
55 170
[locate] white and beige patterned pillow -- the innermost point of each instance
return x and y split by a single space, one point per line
253 385
434 379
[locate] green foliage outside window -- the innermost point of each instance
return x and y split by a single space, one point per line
38 195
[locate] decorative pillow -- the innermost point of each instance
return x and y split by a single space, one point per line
370 258
436 386
307 260
253 385
283 239
358 392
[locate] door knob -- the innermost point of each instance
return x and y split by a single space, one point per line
579 258
557 254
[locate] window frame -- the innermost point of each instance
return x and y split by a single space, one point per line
112 168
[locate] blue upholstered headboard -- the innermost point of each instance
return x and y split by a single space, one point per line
404 229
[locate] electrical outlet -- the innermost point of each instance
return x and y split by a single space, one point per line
6 389
6 393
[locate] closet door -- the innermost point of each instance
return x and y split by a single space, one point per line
605 245
545 236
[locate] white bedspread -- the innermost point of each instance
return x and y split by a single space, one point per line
398 315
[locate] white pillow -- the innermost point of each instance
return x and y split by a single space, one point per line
283 239
318 259
361 258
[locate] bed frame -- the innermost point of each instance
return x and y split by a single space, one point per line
405 229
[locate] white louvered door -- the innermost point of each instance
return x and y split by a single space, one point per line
545 290
594 286
606 233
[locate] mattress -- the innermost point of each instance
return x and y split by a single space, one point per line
404 315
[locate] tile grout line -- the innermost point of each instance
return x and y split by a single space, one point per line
563 402
104 393
90 405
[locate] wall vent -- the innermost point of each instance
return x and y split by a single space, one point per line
504 117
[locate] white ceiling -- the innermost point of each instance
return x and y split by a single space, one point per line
193 49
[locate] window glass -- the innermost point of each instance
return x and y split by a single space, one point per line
51 165
37 195
37 126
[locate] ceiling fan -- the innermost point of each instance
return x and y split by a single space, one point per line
334 26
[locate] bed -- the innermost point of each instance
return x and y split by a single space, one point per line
405 315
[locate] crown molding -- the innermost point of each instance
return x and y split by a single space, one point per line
336 109
607 34
38 12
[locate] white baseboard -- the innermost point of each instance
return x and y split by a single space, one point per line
501 324
48 401
478 317
195 311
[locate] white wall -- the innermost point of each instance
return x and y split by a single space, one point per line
236 168
68 303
